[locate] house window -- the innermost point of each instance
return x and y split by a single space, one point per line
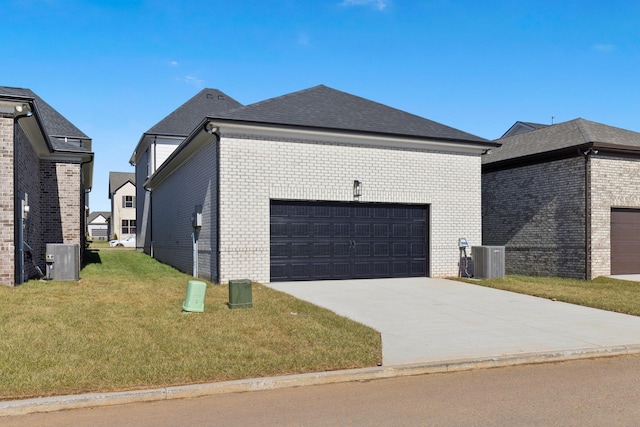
128 226
128 201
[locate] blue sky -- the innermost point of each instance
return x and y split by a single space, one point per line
115 68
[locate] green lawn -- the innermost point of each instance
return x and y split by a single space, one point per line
605 293
122 327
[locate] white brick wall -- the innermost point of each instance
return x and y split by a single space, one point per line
252 172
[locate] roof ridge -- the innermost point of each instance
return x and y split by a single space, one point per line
583 127
273 99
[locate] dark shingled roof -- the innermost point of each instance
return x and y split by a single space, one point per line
574 133
327 108
182 121
54 123
118 179
96 214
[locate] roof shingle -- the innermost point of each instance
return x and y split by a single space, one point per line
324 107
186 117
573 133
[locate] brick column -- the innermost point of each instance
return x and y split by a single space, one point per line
7 247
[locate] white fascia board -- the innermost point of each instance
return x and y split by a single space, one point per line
369 140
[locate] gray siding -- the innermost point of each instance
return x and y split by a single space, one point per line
173 202
143 199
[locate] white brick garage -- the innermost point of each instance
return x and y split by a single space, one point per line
256 164
283 170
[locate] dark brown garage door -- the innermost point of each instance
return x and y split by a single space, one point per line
321 241
625 241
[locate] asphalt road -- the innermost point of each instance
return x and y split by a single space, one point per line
598 392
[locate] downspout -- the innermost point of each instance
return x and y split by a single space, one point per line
217 204
150 220
587 210
83 238
18 208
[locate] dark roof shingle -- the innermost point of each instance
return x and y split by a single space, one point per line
561 136
186 117
118 179
54 123
327 108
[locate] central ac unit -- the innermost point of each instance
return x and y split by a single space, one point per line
488 261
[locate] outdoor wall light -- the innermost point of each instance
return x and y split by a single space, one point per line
357 189
22 109
210 127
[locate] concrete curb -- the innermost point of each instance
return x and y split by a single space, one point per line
90 400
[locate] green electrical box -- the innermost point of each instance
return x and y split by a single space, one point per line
240 294
194 300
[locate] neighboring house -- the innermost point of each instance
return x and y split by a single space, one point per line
98 225
317 184
122 192
158 143
46 171
565 200
522 127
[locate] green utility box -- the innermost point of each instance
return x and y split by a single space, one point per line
194 300
240 294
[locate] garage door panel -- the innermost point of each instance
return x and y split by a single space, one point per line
333 240
362 270
400 250
418 250
322 230
342 230
362 230
380 230
300 230
300 271
321 250
363 250
279 230
401 268
341 270
381 250
300 250
321 271
280 250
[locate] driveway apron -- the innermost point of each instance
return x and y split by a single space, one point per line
429 320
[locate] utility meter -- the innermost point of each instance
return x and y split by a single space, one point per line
196 220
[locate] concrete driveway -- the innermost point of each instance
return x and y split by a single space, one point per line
428 320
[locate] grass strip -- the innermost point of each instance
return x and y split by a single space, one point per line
622 296
121 327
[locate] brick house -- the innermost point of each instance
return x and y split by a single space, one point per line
564 199
47 168
316 184
122 193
